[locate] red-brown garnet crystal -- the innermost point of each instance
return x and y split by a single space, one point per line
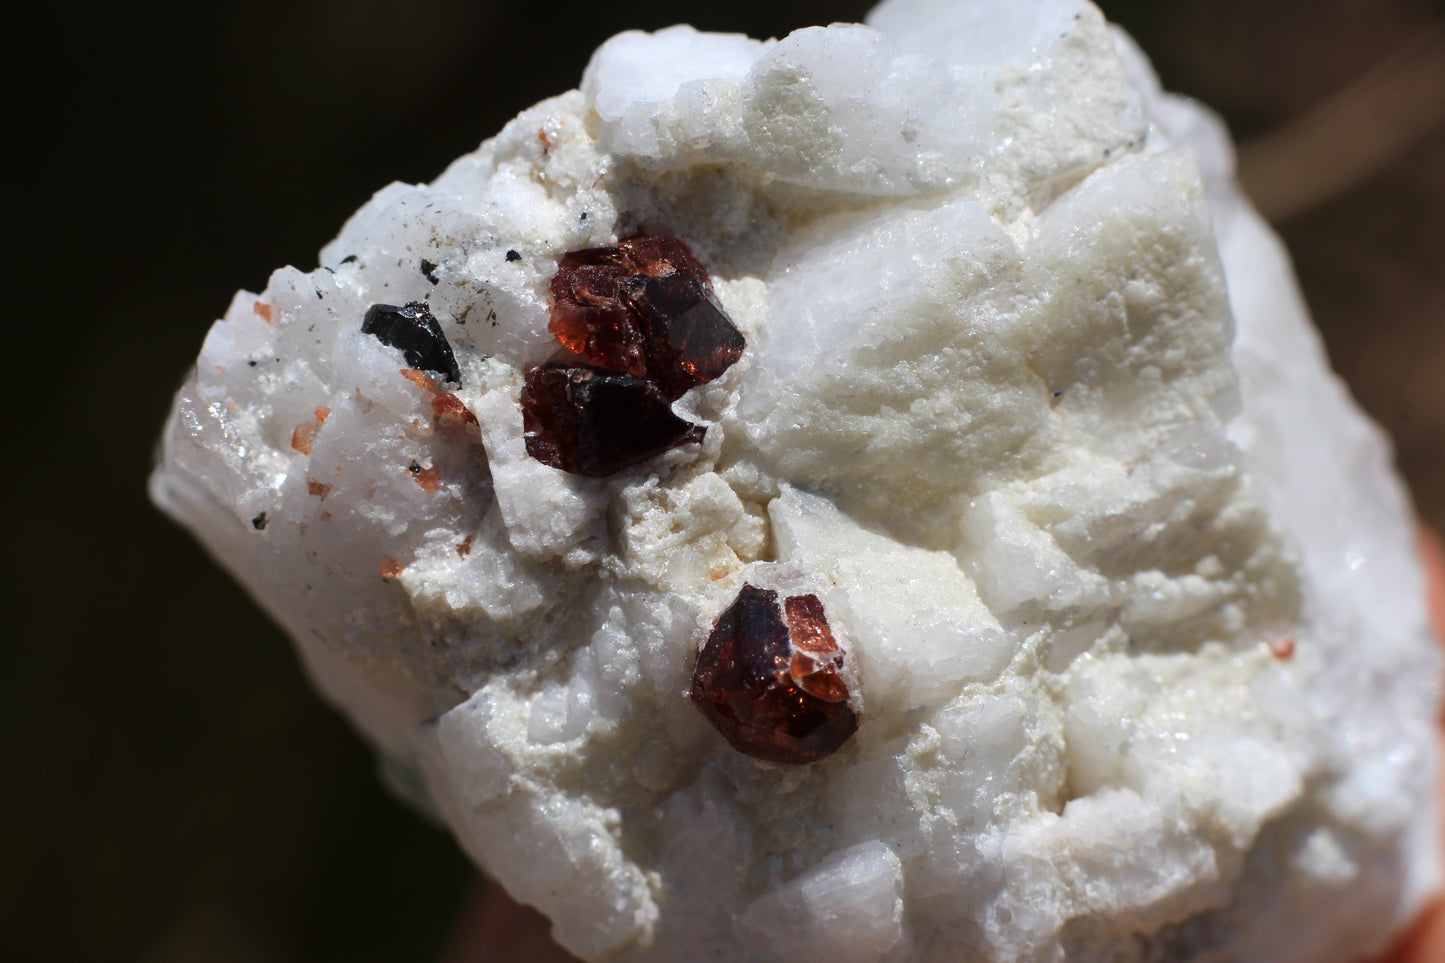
768 679
591 421
639 326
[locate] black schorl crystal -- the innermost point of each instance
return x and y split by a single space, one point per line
591 421
413 329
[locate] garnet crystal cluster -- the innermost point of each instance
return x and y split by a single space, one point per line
639 326
768 679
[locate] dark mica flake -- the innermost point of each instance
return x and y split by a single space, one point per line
413 329
429 270
768 679
594 422
259 522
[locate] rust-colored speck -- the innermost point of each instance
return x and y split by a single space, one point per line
326 516
319 489
264 310
305 433
421 379
465 548
1282 648
450 414
391 568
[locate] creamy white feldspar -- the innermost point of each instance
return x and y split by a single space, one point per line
1142 659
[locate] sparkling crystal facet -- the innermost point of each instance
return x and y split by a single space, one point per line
645 307
689 339
768 679
639 326
413 329
591 421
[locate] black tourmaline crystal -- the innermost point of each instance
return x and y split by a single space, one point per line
413 329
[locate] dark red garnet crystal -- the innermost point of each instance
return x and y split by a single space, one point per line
591 421
640 319
768 679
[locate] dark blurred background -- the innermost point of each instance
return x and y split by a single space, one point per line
174 790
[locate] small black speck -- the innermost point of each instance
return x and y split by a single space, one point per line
348 259
318 295
327 269
582 216
429 270
1058 394
414 468
512 255
251 363
1108 151
259 522
492 314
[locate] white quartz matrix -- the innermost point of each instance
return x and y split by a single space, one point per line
1029 400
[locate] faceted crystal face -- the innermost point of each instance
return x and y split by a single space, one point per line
689 339
768 679
413 329
644 307
591 421
639 327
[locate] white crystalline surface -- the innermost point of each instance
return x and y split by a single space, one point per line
1029 400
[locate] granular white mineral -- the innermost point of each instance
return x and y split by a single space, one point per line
1027 404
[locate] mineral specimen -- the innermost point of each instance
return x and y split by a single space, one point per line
770 682
645 307
1022 420
413 329
639 328
595 422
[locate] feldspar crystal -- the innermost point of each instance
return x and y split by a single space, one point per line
1016 449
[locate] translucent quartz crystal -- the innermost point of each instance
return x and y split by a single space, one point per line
1023 395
